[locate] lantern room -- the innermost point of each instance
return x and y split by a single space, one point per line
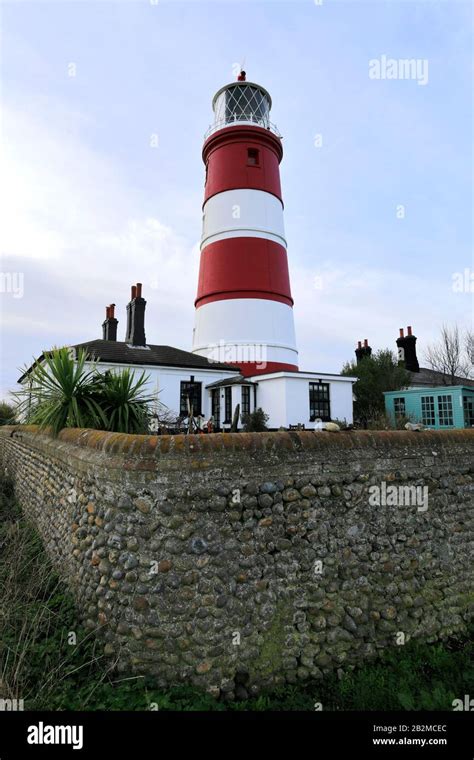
242 102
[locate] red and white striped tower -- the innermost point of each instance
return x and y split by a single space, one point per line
244 308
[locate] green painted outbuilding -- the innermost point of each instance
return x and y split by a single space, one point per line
440 408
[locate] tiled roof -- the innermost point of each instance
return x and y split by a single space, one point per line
118 352
238 380
429 377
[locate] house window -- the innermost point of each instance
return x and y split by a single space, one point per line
445 410
252 157
319 402
428 410
245 399
399 406
228 405
192 391
468 406
216 407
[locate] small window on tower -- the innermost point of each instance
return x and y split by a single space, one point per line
252 157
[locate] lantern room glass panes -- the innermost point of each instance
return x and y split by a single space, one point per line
243 103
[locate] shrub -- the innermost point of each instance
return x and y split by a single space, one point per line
375 374
121 399
60 393
256 422
8 413
63 392
384 421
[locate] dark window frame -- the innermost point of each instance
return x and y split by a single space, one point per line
227 405
468 410
195 396
253 157
245 402
216 407
320 401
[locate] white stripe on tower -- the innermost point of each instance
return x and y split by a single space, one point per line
243 213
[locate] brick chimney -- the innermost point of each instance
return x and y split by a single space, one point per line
362 350
109 325
407 350
136 318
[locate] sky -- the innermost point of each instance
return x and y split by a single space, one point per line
103 110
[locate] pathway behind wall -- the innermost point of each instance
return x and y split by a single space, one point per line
241 561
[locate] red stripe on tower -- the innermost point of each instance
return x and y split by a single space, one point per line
244 303
229 269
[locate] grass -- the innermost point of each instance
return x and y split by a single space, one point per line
39 664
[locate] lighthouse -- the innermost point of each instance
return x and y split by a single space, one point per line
243 367
244 306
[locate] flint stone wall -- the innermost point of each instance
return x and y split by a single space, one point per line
236 562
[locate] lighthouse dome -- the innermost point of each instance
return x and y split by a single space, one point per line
242 102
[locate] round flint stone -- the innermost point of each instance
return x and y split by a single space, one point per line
265 500
198 545
268 488
124 502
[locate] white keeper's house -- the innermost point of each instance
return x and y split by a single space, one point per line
244 345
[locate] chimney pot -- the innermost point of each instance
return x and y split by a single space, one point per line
109 326
359 344
366 343
407 350
135 334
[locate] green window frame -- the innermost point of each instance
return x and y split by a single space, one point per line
399 406
445 411
428 416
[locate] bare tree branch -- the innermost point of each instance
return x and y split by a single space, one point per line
451 355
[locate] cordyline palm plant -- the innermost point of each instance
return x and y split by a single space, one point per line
59 393
64 392
122 401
